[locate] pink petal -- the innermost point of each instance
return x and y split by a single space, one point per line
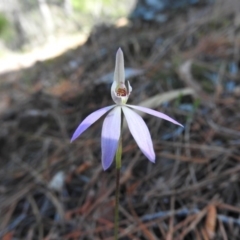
155 113
89 120
110 136
140 132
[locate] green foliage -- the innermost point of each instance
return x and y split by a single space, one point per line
111 8
88 6
6 30
3 24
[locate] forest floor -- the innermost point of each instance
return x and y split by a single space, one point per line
188 68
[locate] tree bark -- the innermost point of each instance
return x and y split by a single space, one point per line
47 16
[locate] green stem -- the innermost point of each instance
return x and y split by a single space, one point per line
118 167
116 223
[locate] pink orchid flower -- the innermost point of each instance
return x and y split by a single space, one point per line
112 123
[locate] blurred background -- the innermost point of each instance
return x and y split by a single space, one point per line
32 26
56 67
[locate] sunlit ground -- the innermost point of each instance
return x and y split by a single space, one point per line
53 48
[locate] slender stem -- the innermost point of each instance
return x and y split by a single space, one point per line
118 168
116 223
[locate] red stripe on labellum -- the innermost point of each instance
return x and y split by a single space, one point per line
122 92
